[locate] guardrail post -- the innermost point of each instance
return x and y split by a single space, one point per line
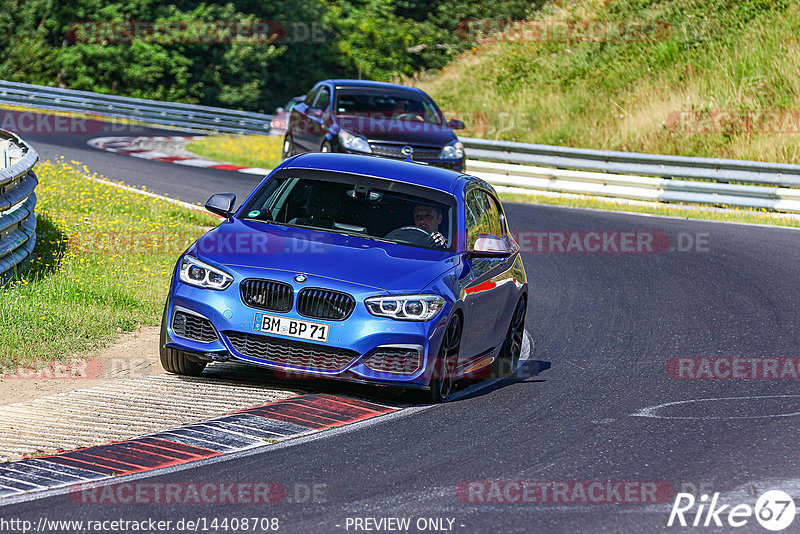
5 157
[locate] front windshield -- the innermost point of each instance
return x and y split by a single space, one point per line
356 205
392 105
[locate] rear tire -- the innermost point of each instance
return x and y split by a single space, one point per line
175 361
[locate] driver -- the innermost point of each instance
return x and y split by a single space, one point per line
429 218
401 111
399 108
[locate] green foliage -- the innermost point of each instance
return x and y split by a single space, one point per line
378 39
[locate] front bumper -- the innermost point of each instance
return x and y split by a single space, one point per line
357 338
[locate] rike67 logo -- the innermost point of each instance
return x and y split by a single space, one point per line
774 510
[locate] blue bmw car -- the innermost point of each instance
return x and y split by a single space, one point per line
353 268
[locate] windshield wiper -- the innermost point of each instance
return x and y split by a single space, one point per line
357 234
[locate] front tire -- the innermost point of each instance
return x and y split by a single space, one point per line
288 147
444 370
175 361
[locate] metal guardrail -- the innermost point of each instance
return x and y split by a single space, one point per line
630 175
185 116
17 201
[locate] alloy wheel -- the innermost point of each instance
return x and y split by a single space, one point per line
448 358
507 361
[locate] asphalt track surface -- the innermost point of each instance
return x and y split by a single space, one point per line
604 327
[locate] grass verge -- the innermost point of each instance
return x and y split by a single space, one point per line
719 79
102 265
262 151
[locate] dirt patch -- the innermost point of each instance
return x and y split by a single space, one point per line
134 354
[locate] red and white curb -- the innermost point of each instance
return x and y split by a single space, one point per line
243 430
131 146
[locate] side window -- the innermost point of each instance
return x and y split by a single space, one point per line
323 100
483 216
495 215
311 96
476 220
431 115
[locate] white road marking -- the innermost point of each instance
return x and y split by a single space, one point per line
651 411
195 162
131 146
150 154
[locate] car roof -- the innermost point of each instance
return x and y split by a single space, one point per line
371 84
389 169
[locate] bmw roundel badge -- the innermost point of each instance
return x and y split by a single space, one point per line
300 278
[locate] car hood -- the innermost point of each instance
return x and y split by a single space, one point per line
249 246
407 132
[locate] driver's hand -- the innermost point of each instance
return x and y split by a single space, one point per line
438 240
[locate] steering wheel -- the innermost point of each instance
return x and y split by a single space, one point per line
411 234
410 116
417 236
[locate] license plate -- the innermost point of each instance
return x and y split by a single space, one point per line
286 326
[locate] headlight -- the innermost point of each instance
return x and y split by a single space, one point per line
453 151
354 142
200 274
406 307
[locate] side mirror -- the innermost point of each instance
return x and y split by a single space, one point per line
455 124
490 246
221 204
